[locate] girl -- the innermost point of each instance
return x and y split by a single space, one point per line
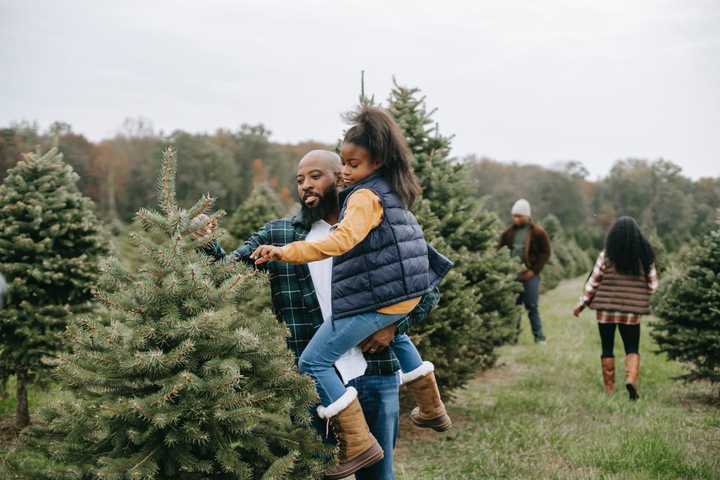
619 290
381 267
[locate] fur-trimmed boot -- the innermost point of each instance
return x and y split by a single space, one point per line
632 374
358 448
430 411
608 374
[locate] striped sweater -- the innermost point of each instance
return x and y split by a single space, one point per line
607 290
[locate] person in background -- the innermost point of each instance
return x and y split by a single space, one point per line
528 242
619 290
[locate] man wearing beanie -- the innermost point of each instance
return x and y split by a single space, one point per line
528 242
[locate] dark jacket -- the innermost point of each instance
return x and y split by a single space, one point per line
537 246
294 300
391 264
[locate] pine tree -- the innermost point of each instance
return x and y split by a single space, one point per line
477 310
185 374
50 246
688 305
260 207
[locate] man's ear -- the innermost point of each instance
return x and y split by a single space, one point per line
338 179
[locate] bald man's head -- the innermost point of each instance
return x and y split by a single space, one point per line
324 159
318 176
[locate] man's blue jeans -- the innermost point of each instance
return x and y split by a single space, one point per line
530 298
379 398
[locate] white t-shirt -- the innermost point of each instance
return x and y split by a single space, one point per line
352 363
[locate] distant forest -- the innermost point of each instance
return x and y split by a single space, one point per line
119 175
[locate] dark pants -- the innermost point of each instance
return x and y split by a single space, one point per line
630 335
529 298
380 401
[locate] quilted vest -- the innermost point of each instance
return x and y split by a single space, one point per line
622 293
391 264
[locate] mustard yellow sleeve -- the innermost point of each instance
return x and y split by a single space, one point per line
363 213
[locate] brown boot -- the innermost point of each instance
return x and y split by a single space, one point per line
632 373
357 447
430 411
608 374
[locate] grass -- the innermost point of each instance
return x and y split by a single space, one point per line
542 414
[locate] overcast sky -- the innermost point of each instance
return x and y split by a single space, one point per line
516 80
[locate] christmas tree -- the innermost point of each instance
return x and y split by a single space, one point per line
260 207
477 310
50 246
184 375
688 305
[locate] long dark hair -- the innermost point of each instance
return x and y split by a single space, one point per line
373 129
628 249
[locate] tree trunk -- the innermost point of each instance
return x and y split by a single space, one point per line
22 410
3 388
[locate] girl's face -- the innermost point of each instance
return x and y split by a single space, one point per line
356 163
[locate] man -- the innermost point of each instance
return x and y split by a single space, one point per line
528 242
301 298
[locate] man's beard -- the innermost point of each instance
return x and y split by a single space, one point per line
327 203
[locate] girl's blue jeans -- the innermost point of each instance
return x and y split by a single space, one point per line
330 342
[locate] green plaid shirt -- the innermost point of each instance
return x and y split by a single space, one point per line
293 293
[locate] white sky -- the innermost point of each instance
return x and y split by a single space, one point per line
515 80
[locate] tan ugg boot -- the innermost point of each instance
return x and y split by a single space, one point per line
608 374
632 374
358 448
430 411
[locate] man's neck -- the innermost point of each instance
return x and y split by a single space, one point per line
332 217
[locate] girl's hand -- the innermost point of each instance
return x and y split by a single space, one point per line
578 310
266 253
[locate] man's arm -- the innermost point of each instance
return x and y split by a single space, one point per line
420 312
503 242
243 252
382 339
544 251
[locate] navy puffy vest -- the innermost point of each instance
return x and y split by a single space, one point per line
392 264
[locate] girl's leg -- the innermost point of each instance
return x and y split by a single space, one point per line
630 335
607 339
631 340
406 353
332 340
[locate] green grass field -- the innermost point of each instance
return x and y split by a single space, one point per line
542 414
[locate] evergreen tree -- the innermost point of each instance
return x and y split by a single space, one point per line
688 305
477 311
260 207
568 260
50 244
185 374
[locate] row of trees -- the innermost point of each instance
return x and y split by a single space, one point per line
119 174
669 205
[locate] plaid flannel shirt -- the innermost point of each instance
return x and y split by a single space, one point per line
293 293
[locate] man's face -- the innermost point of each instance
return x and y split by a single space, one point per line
520 220
313 180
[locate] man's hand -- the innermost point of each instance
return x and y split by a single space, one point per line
205 232
578 310
379 341
526 275
266 253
